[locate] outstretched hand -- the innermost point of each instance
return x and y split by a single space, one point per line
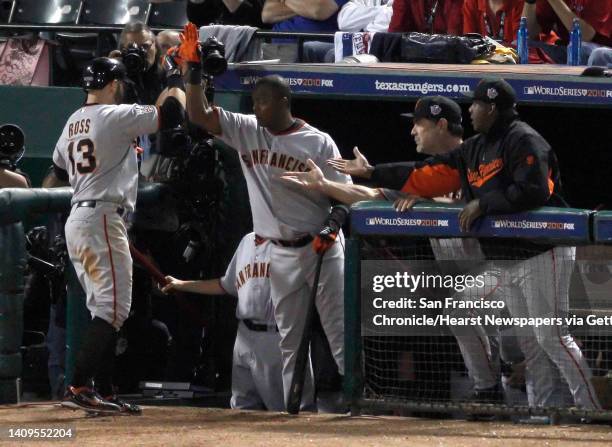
358 167
407 202
173 285
189 49
312 179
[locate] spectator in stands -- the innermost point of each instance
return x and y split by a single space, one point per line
427 16
498 19
166 40
316 16
225 12
555 19
365 15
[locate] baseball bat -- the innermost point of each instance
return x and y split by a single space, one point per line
155 273
301 360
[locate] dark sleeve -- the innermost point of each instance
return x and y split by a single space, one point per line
248 13
531 185
60 173
433 177
204 13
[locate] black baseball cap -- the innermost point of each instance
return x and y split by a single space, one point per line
494 91
434 108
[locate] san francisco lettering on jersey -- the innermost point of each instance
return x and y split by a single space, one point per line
255 270
274 159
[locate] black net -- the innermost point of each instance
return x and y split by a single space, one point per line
562 364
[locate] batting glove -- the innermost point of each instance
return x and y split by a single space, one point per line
189 50
325 239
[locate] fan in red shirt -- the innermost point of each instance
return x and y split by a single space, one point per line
595 15
427 16
554 19
498 19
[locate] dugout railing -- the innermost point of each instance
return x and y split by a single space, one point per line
18 209
416 370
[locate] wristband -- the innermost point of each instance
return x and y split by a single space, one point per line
194 73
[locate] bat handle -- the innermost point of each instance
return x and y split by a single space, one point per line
146 262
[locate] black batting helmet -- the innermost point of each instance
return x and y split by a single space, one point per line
101 71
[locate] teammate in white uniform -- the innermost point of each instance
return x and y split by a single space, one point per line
269 143
257 366
96 154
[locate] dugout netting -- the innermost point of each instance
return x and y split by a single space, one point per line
542 265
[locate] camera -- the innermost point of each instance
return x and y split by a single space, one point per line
213 57
12 145
134 58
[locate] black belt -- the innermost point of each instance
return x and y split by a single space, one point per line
296 243
259 327
92 204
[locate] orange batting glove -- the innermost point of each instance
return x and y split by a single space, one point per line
324 240
189 50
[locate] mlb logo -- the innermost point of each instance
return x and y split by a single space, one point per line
371 221
528 91
496 224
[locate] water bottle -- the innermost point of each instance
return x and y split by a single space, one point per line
521 42
574 49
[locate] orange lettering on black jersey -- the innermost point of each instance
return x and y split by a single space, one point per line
485 172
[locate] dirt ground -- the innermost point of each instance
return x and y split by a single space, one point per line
172 426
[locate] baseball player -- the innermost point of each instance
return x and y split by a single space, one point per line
257 366
96 155
269 143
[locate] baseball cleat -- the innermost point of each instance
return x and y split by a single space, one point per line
125 407
84 398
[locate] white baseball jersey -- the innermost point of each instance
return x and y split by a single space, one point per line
248 277
281 211
96 149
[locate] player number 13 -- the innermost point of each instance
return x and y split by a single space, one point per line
86 148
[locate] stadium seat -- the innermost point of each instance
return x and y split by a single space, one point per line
46 11
168 15
114 12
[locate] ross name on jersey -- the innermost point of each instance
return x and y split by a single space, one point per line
255 270
274 159
81 126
